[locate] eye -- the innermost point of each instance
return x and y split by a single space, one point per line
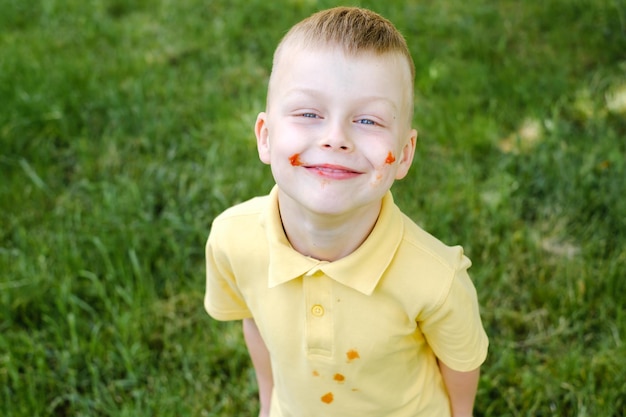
366 122
309 115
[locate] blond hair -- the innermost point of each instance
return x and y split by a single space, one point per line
354 30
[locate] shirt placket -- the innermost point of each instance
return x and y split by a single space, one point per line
319 313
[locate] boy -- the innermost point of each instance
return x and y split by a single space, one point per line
348 307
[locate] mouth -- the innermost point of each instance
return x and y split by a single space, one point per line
333 171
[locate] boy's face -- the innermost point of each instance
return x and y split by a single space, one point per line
337 128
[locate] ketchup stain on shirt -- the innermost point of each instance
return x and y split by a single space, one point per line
295 160
339 378
328 398
390 158
352 355
315 373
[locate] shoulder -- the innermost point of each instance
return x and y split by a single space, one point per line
420 242
240 215
423 270
239 225
252 207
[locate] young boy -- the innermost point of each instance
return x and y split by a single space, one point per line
348 307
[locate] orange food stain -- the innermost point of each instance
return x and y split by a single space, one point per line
352 355
328 398
315 373
295 160
339 378
390 158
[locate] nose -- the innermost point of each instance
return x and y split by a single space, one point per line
337 137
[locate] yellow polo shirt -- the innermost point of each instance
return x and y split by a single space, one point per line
355 337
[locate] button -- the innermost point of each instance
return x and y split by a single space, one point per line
317 310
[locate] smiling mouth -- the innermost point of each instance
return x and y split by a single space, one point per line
333 171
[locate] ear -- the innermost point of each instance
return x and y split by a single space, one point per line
406 156
262 138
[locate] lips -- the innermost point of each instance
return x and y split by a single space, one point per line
332 171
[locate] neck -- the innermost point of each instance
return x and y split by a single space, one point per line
327 237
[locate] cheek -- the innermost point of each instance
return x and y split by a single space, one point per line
294 160
385 172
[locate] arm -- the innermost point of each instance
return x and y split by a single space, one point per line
261 362
461 388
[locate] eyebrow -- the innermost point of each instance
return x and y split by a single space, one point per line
305 91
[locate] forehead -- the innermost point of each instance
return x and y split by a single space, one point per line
333 70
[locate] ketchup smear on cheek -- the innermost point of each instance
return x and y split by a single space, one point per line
390 158
295 160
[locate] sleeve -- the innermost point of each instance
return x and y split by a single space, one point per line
223 299
454 329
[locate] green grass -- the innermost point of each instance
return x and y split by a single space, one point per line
126 126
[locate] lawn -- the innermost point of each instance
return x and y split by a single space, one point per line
126 126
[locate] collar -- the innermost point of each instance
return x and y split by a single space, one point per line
361 270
